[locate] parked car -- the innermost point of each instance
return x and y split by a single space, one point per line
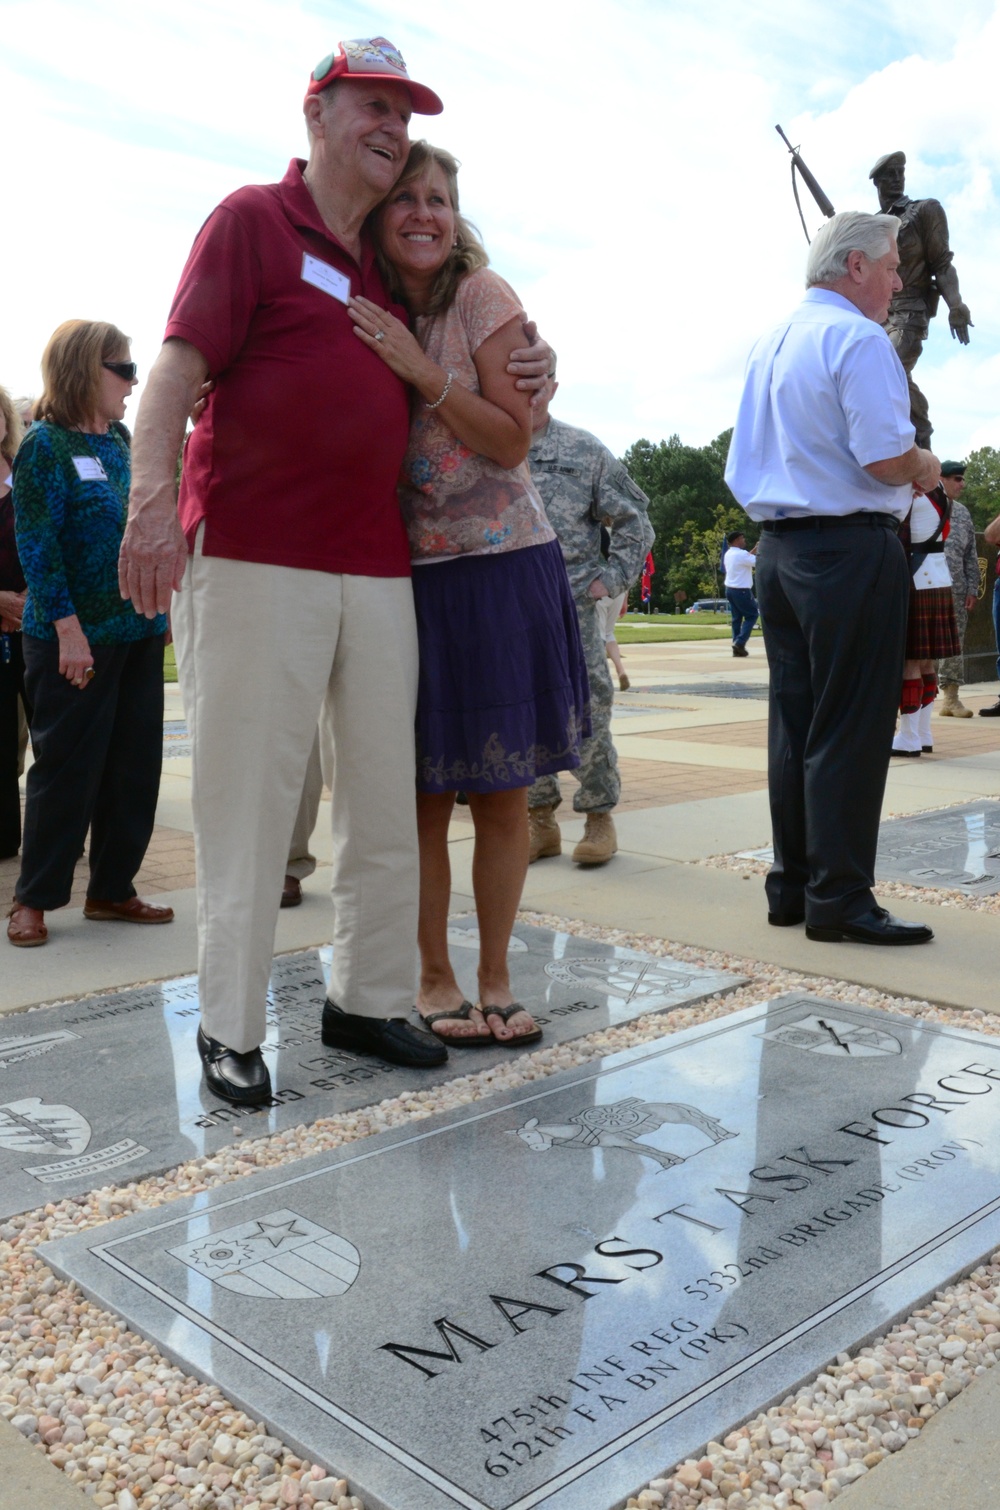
709 605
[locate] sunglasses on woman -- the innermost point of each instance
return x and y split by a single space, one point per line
127 371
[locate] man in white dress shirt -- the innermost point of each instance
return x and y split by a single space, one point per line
738 564
823 458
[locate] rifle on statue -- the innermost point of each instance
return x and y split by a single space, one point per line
809 181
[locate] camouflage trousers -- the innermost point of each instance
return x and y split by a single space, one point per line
600 784
951 669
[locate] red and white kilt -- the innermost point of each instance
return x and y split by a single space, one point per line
931 632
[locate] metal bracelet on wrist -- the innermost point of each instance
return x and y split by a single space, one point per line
447 389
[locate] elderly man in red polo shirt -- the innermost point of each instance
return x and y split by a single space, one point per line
292 573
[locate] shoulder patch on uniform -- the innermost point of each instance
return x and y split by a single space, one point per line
621 478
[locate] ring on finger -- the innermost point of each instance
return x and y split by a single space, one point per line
380 335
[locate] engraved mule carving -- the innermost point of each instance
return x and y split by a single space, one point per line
621 1125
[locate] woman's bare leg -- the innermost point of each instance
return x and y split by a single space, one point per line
499 866
614 655
439 990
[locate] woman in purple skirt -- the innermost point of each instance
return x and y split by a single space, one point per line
503 694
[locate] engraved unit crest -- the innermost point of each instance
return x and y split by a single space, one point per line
32 1124
14 1050
281 1256
628 979
832 1035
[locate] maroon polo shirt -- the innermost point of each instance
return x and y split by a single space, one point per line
295 459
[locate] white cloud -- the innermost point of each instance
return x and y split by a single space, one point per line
619 157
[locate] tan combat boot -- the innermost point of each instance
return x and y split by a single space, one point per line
544 834
599 841
951 706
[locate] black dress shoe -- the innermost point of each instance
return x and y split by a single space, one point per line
393 1039
242 1078
786 919
993 711
875 927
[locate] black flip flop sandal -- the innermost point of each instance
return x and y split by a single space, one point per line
505 1014
456 1040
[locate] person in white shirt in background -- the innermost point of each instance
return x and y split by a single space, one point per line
823 456
739 564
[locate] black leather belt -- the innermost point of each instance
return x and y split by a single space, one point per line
934 549
831 522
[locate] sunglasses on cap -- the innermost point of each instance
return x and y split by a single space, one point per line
127 371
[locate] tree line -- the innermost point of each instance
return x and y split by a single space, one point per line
691 509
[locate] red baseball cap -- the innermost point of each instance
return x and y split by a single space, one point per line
372 58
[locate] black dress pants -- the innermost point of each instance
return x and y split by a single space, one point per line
833 604
11 691
98 751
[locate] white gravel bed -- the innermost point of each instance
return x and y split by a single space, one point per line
136 1432
937 896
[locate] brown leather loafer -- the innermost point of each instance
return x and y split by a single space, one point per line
26 926
291 892
135 910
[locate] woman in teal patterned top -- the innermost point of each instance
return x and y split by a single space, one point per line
93 666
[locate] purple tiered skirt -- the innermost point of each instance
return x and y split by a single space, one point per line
503 694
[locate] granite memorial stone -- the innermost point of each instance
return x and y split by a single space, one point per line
957 848
75 1108
549 1296
755 691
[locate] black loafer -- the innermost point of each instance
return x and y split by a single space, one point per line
242 1078
993 711
786 919
393 1039
875 927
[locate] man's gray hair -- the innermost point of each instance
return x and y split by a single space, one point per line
850 231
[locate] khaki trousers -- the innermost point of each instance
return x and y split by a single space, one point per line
301 861
260 650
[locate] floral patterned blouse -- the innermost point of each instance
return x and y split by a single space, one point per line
454 501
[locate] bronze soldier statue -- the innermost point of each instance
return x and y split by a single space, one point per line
927 275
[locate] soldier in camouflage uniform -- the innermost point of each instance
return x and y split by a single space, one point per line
963 561
581 485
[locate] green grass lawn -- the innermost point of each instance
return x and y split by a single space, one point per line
632 634
634 629
675 618
655 628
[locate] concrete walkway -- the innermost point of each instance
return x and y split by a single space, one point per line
952 1465
691 736
28 1481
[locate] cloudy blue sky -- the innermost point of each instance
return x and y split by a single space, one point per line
619 157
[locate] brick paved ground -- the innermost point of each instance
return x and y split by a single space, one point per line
168 866
169 862
656 783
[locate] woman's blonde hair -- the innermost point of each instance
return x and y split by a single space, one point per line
71 370
15 429
467 254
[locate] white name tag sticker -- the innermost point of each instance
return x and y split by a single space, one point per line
322 275
89 469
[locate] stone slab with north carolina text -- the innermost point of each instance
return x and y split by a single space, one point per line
109 1088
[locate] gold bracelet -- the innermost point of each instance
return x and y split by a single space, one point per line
447 389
